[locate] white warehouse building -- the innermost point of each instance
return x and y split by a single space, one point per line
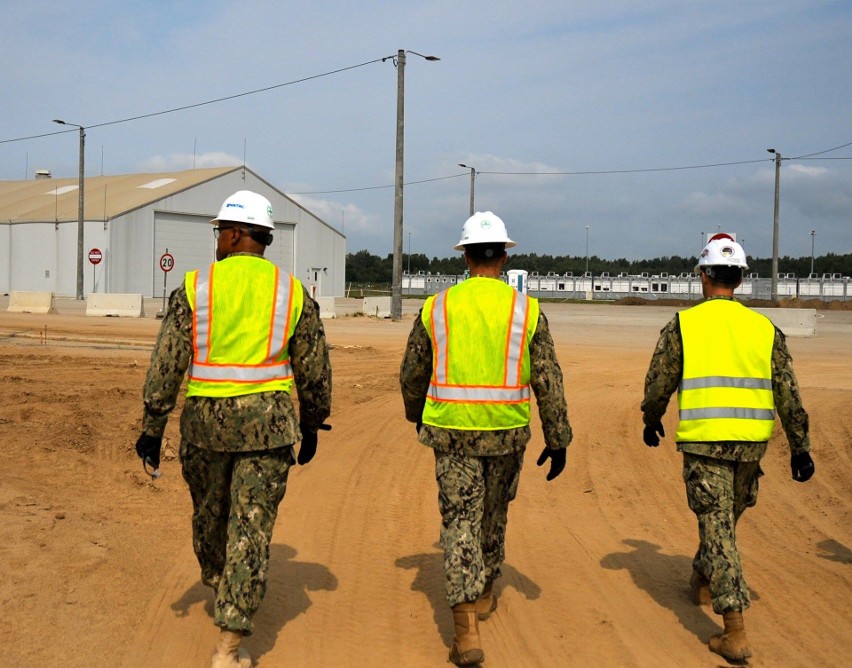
133 220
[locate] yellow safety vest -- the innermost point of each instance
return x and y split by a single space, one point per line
244 311
480 331
726 390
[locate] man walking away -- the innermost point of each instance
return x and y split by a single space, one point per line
732 371
473 355
246 331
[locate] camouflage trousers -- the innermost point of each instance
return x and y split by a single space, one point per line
473 496
718 492
235 497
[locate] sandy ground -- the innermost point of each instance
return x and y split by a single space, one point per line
98 569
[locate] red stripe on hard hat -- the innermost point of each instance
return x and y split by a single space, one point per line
721 235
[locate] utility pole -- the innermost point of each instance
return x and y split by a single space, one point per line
80 205
472 185
813 234
396 270
775 223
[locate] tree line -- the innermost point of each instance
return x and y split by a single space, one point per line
364 267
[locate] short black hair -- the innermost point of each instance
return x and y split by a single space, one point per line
485 253
727 276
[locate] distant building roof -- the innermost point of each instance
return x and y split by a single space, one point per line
105 197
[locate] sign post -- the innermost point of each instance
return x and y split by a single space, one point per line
167 263
95 257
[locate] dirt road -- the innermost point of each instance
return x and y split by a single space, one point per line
98 567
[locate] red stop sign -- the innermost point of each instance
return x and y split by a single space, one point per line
95 256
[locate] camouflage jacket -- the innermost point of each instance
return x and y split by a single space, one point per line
546 382
664 375
251 422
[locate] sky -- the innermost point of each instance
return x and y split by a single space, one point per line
610 123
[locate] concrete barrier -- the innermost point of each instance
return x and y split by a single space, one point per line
792 321
327 309
127 306
31 302
377 307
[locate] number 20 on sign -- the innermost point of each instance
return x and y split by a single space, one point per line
167 262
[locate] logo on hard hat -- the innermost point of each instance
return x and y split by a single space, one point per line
269 211
726 251
236 205
485 224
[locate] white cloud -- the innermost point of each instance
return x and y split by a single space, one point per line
808 170
345 217
179 161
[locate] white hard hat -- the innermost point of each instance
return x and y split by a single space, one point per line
246 207
484 228
722 251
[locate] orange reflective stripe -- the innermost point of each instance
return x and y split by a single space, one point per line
241 373
478 394
277 337
510 391
516 339
440 335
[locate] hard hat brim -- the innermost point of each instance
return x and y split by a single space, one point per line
460 246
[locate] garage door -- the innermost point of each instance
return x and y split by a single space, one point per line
281 250
189 239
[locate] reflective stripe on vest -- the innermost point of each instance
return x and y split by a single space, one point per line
721 335
492 391
218 369
512 391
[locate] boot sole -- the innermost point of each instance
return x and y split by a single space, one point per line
469 657
716 646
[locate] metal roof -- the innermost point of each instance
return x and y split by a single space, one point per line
105 197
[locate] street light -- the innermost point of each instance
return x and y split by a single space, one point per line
775 224
587 249
813 234
396 272
80 205
472 184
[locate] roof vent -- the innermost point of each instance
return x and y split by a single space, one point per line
42 174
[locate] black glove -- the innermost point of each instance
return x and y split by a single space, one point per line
557 461
802 466
649 434
308 448
148 449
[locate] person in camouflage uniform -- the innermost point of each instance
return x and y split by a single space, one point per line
478 468
721 472
236 451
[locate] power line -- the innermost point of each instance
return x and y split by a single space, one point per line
440 178
828 150
628 171
351 190
581 173
200 104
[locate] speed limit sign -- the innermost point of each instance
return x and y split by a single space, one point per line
167 262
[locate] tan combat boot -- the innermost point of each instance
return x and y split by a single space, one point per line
228 653
700 588
467 647
732 643
487 603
